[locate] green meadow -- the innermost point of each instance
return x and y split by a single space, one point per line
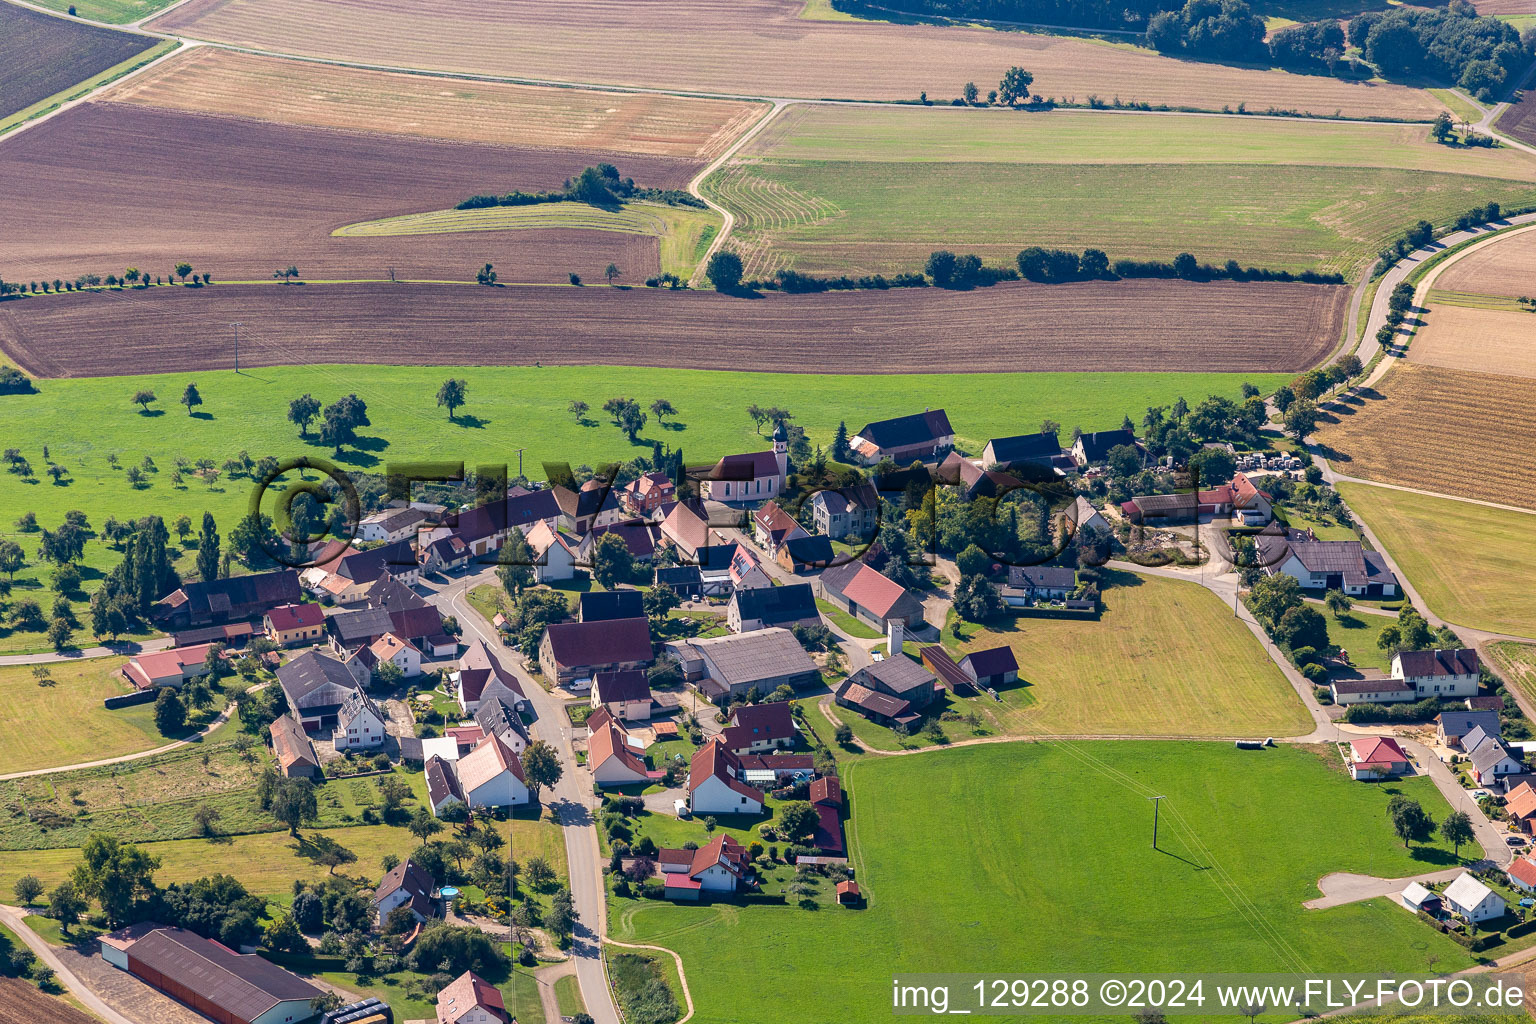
1043 850
866 191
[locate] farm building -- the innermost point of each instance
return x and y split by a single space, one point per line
390 525
234 599
922 437
213 980
295 753
570 652
1029 584
686 527
397 559
733 666
1326 564
290 624
1020 450
763 607
1083 516
753 477
892 691
626 694
602 605
171 668
870 596
1371 688
686 581
1093 449
316 685
846 512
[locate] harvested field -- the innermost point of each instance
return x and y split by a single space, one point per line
1519 119
22 1002
1467 338
1505 6
1505 267
213 81
753 48
1451 431
1132 325
41 55
210 190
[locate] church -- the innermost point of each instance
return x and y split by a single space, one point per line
750 478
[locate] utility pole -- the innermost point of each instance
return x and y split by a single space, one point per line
237 327
520 461
1157 802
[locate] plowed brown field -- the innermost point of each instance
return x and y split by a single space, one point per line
1472 435
752 48
1135 325
1519 119
1506 267
107 186
213 81
22 1003
41 54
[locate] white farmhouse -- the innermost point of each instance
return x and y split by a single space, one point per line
1473 900
1438 673
359 724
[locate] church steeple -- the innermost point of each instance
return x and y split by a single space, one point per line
781 447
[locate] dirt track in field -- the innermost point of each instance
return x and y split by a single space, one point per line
107 186
207 80
1138 325
41 55
1451 431
754 48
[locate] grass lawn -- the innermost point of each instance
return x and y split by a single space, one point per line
1054 869
115 12
845 622
1470 563
488 599
521 993
1167 658
75 698
1356 632
267 863
509 407
683 232
50 932
532 837
841 190
568 996
1324 529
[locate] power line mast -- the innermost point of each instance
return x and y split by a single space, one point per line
1157 802
237 327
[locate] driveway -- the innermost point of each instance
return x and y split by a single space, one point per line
1341 887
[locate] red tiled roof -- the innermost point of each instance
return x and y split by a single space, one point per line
606 742
1524 869
874 592
465 992
775 521
722 850
295 616
713 759
1521 802
826 790
1377 750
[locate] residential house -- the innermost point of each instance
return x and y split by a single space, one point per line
353 629
647 493
1373 758
397 558
359 724
446 554
892 691
595 504
1522 873
288 625
491 775
496 717
1520 805
770 771
442 784
1030 584
1451 726
602 605
686 581
721 865
1492 759
233 599
470 999
390 525
801 555
745 572
870 596
316 685
1021 450
922 437
406 884
1326 564
571 652
973 481
554 553
772 526
1081 515
423 628
639 540
482 676
847 512
759 728
626 694
1093 449
173 668
749 478
612 758
1249 503
209 978
686 527
389 649
1451 673
826 799
762 607
733 666
714 783
295 754
1473 900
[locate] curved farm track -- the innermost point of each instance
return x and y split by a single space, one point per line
1128 325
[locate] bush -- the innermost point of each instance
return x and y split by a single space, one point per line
1314 672
1422 711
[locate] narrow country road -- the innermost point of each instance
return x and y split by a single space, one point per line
11 917
571 798
159 643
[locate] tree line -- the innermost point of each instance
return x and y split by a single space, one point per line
599 185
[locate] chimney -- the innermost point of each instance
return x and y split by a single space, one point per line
895 634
